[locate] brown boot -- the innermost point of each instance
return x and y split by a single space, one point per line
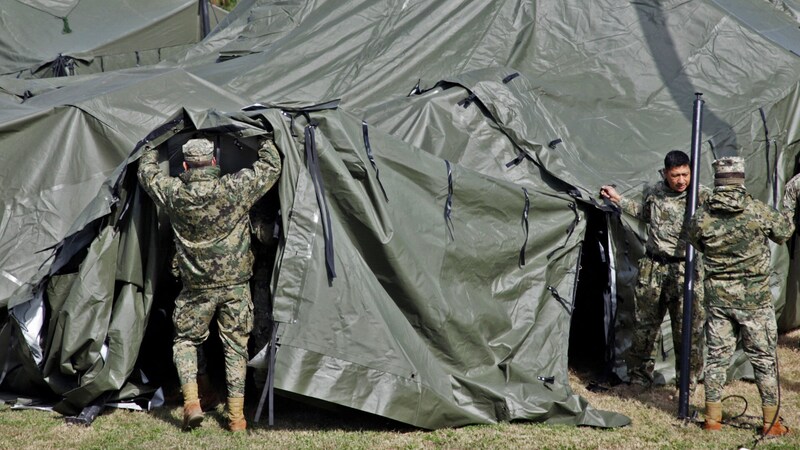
713 416
236 420
209 399
192 413
770 428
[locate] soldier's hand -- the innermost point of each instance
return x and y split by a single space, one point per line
608 191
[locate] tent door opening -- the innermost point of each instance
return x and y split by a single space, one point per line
591 330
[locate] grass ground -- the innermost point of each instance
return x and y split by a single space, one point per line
652 412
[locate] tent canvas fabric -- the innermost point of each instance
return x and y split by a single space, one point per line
465 104
43 38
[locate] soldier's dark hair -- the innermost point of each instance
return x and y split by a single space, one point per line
675 158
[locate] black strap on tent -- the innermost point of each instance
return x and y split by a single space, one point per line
312 161
570 228
448 205
522 155
525 227
66 29
276 229
516 161
468 101
415 90
561 300
268 390
510 77
365 129
136 52
771 177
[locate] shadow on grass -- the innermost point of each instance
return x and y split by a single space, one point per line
662 397
294 414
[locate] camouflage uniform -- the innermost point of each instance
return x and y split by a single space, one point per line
660 284
209 215
731 231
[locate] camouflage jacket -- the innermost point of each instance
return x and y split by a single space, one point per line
731 230
664 211
209 214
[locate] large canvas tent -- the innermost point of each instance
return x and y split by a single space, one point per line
441 160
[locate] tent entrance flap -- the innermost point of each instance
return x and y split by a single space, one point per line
590 347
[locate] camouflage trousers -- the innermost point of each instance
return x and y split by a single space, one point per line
194 310
660 289
759 335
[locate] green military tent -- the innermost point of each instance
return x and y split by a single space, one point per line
442 248
46 38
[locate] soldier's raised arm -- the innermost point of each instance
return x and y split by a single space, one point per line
154 181
253 183
634 208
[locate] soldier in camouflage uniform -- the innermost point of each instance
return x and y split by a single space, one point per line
209 215
731 230
661 271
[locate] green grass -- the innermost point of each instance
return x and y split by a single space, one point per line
652 412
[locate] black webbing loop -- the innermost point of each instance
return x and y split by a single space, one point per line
467 101
516 161
268 390
448 206
510 77
560 299
552 144
365 129
570 229
525 227
136 52
312 161
66 29
771 177
416 90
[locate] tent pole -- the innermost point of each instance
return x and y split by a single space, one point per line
688 280
205 23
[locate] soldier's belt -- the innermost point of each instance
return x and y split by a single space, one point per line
664 259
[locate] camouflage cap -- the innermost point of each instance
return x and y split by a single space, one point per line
198 150
728 170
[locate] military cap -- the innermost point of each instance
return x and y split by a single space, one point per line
728 170
198 150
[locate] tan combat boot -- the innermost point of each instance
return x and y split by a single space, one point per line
236 420
192 413
770 429
713 416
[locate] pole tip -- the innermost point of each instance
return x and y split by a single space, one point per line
698 94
